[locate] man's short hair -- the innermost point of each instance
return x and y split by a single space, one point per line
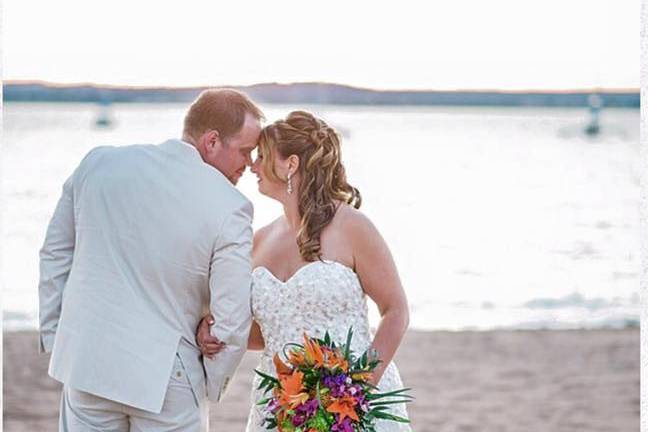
223 110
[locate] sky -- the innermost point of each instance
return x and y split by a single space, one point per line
450 44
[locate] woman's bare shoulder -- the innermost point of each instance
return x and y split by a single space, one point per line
353 222
262 233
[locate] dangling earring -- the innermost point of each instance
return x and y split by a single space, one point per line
289 183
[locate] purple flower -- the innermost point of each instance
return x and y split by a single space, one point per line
273 405
298 420
334 381
359 395
336 384
345 426
308 408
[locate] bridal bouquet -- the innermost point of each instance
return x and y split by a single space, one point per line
325 387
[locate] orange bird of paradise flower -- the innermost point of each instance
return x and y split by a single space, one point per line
344 407
291 390
281 367
362 376
335 359
313 352
296 358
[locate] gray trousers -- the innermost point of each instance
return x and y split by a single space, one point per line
182 410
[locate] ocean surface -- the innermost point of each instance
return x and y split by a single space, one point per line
496 217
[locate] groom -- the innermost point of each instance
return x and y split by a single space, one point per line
144 241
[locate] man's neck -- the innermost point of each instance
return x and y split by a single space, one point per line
188 139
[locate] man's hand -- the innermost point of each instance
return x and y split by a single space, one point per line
208 344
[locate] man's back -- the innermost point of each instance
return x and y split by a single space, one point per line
147 220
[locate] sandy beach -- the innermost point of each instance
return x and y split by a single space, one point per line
463 381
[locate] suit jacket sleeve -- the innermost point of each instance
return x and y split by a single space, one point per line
230 286
55 264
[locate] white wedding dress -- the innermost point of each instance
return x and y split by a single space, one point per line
320 296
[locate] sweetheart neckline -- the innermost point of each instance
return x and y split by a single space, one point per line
300 269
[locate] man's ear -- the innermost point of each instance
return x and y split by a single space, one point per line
211 139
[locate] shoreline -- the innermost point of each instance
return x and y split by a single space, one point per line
625 322
499 380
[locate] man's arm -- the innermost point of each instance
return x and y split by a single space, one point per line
55 264
229 284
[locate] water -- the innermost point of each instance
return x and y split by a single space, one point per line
496 217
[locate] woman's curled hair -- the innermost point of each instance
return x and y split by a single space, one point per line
323 183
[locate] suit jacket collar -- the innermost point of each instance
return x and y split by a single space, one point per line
182 149
189 153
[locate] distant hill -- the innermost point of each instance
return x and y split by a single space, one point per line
315 93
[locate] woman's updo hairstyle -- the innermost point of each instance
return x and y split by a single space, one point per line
323 180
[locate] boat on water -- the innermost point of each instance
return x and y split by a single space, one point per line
104 118
595 104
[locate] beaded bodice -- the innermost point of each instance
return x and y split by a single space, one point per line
321 296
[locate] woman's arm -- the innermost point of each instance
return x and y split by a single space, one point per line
378 275
255 340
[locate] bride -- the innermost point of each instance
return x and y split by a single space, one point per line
315 265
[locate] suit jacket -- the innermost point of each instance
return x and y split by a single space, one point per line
144 241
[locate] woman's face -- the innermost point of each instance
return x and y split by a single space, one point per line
269 186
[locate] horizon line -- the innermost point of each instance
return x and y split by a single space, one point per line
195 87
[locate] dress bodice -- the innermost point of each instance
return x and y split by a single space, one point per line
321 296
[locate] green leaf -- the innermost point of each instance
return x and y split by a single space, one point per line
298 347
266 376
401 392
347 347
264 401
385 416
380 408
317 392
390 402
271 423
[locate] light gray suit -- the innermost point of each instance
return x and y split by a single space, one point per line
144 241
